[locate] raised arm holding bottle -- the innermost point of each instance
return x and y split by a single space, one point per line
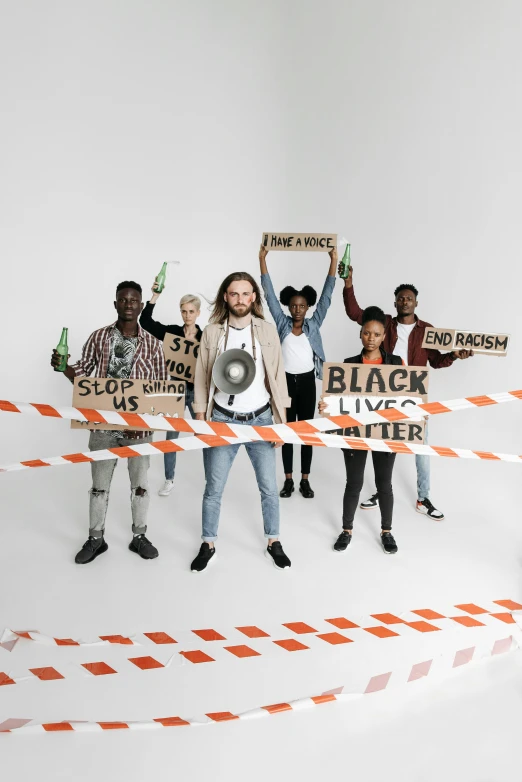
190 308
403 336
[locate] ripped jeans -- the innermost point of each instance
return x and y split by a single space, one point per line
102 473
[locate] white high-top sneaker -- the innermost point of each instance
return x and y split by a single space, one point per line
166 489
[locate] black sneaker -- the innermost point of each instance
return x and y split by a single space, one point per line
203 558
426 507
370 503
279 558
343 541
288 488
142 546
306 490
91 549
388 543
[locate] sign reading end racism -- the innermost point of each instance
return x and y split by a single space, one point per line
349 389
322 243
156 397
478 341
181 356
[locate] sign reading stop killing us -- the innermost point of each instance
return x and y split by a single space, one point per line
321 243
349 389
156 397
181 356
478 341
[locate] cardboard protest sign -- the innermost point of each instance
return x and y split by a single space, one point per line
321 243
180 356
157 397
478 341
349 389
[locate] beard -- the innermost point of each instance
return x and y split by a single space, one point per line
241 310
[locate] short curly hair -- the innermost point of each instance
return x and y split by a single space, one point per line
405 287
289 292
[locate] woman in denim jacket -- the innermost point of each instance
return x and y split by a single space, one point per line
303 356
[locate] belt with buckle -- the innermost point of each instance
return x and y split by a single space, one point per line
241 416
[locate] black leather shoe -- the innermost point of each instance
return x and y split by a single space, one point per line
306 490
288 488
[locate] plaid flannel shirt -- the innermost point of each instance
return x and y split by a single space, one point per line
148 363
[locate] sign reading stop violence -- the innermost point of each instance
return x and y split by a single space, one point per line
349 389
180 356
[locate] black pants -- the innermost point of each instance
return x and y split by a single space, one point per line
301 390
383 467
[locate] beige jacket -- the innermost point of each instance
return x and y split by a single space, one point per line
275 378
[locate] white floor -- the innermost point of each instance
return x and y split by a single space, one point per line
462 728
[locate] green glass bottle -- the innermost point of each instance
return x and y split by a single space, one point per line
160 279
345 263
63 350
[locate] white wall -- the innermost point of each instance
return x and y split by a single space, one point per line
136 132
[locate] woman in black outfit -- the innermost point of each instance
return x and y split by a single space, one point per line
190 307
372 336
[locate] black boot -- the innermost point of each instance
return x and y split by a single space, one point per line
305 489
288 488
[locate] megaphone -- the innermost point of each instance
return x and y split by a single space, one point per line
234 371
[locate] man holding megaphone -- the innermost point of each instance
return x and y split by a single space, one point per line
240 379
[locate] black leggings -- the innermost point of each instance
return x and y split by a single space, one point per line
301 390
383 467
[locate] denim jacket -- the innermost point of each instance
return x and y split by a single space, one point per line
311 325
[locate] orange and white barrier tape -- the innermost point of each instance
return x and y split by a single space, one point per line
248 434
421 620
436 668
312 426
250 642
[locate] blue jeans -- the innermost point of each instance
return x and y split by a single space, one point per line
169 459
422 464
218 461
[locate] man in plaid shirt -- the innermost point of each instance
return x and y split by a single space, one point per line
122 350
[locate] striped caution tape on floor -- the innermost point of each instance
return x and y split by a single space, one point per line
436 668
420 620
208 645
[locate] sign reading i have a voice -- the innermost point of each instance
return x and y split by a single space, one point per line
308 242
349 389
478 341
181 357
156 397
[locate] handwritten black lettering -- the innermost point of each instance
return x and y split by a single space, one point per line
375 376
417 382
336 384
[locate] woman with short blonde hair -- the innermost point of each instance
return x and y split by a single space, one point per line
190 307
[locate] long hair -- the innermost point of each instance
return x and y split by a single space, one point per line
219 312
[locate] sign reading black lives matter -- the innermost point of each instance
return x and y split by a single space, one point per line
478 341
350 389
157 397
322 243
181 356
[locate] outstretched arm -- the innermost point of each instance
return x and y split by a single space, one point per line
271 299
351 305
325 298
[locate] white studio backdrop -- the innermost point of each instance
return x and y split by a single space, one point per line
136 132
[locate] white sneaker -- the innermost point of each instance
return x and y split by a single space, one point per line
371 503
426 507
166 489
